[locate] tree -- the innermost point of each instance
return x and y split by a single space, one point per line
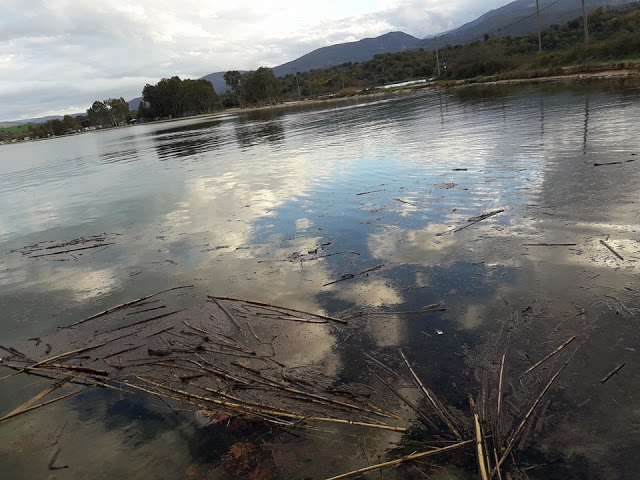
233 78
261 87
173 97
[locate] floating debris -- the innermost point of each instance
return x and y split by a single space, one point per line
50 248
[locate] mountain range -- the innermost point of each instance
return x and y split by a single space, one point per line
518 18
515 18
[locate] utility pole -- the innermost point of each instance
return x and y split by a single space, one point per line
499 42
298 83
586 28
538 20
437 58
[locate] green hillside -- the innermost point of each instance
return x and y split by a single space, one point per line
614 35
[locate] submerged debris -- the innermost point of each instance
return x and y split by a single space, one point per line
61 250
225 354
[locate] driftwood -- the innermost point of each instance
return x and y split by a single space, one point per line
612 373
479 440
435 403
547 357
349 276
611 249
549 244
518 431
472 221
371 191
405 201
613 163
407 458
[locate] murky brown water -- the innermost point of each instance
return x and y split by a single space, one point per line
235 204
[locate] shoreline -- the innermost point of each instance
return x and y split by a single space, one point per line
606 72
599 74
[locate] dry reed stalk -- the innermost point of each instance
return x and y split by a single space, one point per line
438 407
482 467
407 458
540 362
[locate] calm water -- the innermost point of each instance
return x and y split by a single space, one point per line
233 204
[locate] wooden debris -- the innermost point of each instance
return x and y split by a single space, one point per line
405 201
549 244
614 163
547 357
349 276
611 249
519 429
472 221
261 304
407 458
371 191
124 305
482 467
226 311
435 403
435 307
612 373
17 412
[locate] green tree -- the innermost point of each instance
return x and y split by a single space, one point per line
233 78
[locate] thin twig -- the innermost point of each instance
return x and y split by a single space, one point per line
612 373
261 304
538 363
472 221
438 407
226 311
349 276
520 427
611 249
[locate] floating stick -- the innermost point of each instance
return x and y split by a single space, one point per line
479 440
472 221
226 311
538 363
611 249
123 305
261 304
612 373
520 427
438 407
407 458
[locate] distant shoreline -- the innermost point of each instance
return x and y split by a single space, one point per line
605 72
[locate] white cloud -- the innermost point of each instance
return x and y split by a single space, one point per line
60 55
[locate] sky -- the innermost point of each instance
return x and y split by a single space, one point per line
58 56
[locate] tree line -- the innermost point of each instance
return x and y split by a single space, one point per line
614 34
174 98
259 87
111 112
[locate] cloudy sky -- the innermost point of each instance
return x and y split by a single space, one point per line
57 56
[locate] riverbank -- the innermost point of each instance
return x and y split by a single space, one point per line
609 71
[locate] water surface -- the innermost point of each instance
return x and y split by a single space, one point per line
273 205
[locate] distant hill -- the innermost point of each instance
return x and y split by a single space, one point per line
134 103
324 57
359 51
512 20
217 79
